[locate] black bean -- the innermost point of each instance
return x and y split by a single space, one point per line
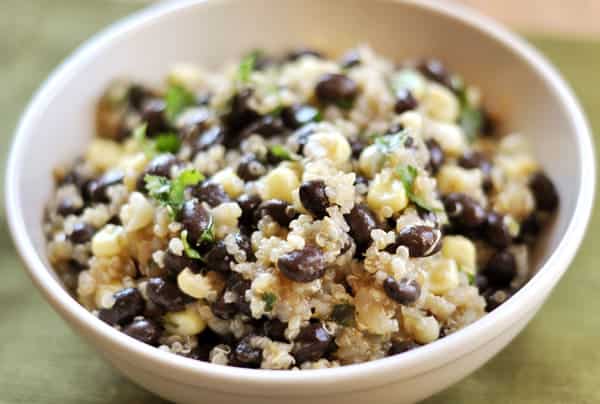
160 166
245 355
144 330
409 142
303 265
401 347
153 114
314 198
274 329
544 192
129 303
301 136
208 138
405 291
481 282
312 343
421 241
82 233
210 192
474 159
494 298
296 116
76 177
434 70
238 286
193 122
240 115
436 156
280 211
496 230
249 168
68 207
207 340
154 311
301 52
249 205
266 126
218 259
501 269
334 88
405 101
165 294
136 95
464 211
357 146
530 229
350 59
195 219
361 222
97 188
174 264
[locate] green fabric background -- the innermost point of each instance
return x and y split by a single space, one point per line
555 360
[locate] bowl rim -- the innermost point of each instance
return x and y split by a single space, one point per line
383 370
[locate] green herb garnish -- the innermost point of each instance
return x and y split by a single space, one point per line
407 175
343 314
387 144
246 66
189 251
170 193
281 153
471 278
269 299
471 121
177 99
164 143
208 235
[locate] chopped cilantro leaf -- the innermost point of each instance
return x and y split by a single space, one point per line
208 235
407 175
167 143
246 67
387 144
189 251
139 133
170 193
343 314
471 278
471 121
269 299
177 99
281 153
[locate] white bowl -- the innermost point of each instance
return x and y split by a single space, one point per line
517 82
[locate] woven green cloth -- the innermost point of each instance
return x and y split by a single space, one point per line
555 360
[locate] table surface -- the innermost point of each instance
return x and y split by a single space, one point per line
555 360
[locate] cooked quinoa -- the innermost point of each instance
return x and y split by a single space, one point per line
297 212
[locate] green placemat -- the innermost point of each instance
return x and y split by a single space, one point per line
555 360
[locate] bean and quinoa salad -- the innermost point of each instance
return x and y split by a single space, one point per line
297 212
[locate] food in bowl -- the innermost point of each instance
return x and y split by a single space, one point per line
298 212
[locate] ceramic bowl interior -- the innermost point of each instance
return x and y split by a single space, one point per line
517 84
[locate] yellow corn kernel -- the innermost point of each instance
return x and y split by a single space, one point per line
186 75
137 213
330 145
104 153
450 137
370 161
104 296
443 276
196 285
440 103
231 183
108 241
462 251
457 179
280 184
518 166
186 323
424 329
386 194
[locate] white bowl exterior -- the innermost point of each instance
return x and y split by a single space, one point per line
516 82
